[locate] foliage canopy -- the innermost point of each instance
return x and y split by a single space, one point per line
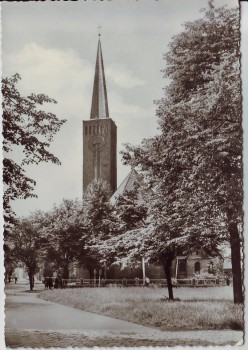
27 130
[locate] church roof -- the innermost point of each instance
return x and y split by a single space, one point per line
127 185
99 106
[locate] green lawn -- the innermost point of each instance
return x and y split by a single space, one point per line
194 308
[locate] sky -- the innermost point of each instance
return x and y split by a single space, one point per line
53 46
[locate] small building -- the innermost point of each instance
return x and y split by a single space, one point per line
196 263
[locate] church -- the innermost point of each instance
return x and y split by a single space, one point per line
100 162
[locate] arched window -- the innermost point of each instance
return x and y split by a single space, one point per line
197 267
86 129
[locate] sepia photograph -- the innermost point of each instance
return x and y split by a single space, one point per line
123 173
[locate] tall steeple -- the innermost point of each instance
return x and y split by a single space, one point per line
99 106
99 134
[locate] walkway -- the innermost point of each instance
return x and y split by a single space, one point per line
33 322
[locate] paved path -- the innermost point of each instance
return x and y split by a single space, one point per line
34 322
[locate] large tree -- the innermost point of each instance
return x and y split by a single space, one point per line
98 210
213 99
152 228
10 262
63 228
131 208
123 246
195 164
28 132
27 246
100 221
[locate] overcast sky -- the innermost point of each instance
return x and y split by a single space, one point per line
53 45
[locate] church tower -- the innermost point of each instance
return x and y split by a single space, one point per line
99 134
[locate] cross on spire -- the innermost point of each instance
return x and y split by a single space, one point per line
99 28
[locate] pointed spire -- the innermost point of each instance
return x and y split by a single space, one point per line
99 106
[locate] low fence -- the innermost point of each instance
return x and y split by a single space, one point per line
189 282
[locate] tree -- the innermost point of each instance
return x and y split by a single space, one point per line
98 210
195 164
153 230
63 228
26 129
27 246
131 209
99 219
216 106
10 262
123 246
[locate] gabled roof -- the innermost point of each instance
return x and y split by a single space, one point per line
127 185
99 106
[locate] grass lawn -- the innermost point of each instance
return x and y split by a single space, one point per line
194 308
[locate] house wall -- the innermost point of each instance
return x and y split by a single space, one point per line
151 270
78 272
115 272
191 265
155 271
215 263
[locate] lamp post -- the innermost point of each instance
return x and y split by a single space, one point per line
94 278
100 273
143 270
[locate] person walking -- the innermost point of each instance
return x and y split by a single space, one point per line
60 282
227 280
56 283
46 282
50 282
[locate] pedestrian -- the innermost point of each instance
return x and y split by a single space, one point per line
15 279
50 282
46 282
227 280
60 282
56 283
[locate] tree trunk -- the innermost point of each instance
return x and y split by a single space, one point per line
66 270
167 270
31 281
236 263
